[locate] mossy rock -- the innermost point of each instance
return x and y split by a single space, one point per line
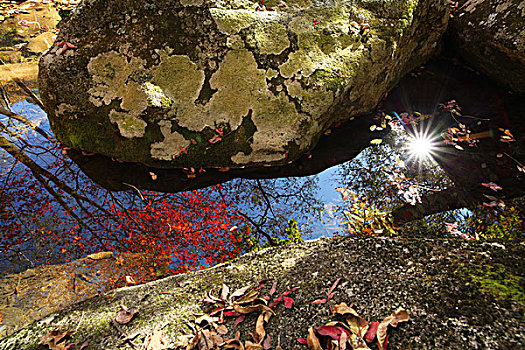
196 83
459 294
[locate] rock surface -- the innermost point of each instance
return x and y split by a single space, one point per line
460 294
218 83
490 34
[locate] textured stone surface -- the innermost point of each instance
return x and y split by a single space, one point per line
460 294
490 34
147 78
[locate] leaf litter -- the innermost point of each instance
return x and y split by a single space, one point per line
348 330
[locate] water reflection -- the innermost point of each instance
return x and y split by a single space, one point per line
56 200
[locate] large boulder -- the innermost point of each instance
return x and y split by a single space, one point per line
460 294
490 35
196 83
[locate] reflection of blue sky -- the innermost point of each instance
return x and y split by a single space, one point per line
327 225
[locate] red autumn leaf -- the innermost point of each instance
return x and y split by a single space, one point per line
239 319
334 285
288 302
302 341
261 284
274 288
193 142
333 332
319 301
231 313
371 333
274 302
216 311
291 290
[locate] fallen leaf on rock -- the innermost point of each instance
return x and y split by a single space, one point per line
313 341
221 329
260 333
371 333
248 345
249 309
333 332
302 341
125 315
224 291
240 292
288 302
400 315
232 344
55 339
345 192
273 289
239 320
267 343
155 341
342 341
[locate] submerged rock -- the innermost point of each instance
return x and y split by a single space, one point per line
226 83
490 35
459 294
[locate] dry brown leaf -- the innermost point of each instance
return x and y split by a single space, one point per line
252 346
313 341
267 343
240 292
232 344
259 329
342 341
357 343
55 339
221 329
205 319
155 340
224 291
249 309
249 297
125 315
182 341
400 315
344 309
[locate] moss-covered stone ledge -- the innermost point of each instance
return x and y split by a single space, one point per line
460 294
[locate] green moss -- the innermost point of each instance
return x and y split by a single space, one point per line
495 280
329 79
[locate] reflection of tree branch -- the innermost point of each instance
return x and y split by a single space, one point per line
259 229
41 175
257 226
448 199
265 196
25 121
